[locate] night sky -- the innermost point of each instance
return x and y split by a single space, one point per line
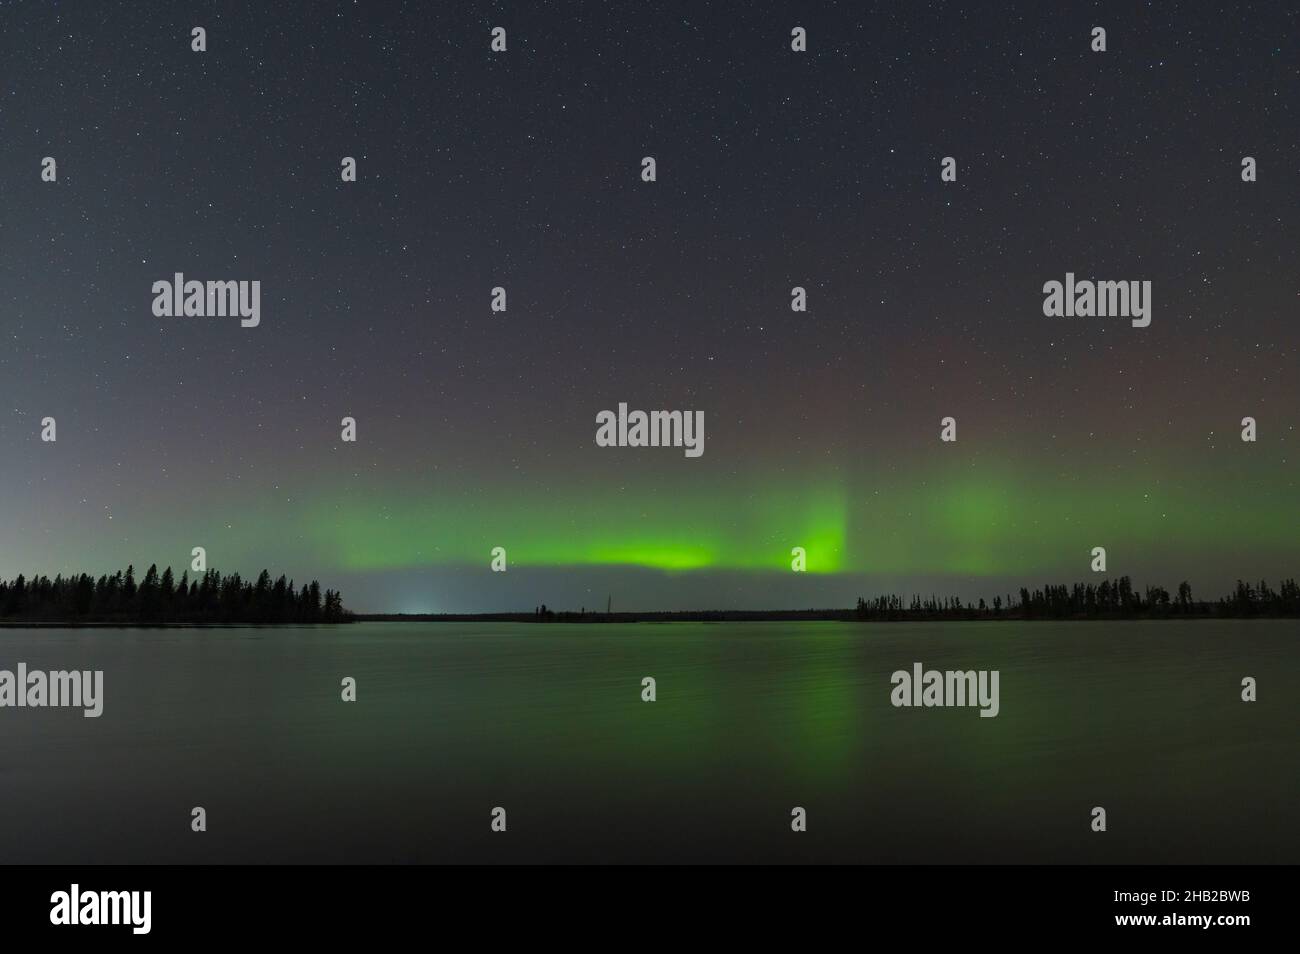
522 169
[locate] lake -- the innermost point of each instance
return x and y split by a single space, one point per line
751 720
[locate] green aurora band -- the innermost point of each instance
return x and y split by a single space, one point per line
966 525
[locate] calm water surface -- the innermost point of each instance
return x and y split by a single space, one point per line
752 719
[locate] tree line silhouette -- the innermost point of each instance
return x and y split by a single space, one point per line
1108 599
213 598
160 598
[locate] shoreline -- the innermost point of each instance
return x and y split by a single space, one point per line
685 616
777 616
128 624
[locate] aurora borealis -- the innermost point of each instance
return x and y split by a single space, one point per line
476 430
